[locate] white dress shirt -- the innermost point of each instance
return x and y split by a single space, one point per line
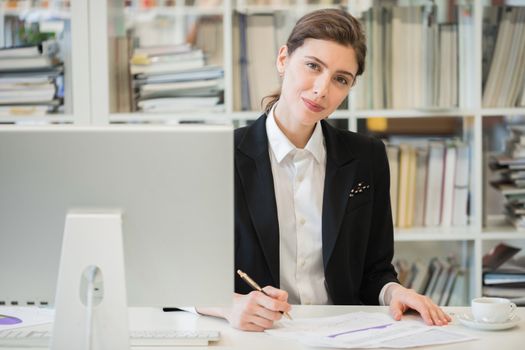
298 177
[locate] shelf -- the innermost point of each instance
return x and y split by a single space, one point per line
346 114
502 233
490 112
35 15
43 119
252 115
409 113
436 234
262 9
168 118
141 15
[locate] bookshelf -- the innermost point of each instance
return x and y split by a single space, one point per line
67 22
95 24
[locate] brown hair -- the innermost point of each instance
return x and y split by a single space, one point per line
326 24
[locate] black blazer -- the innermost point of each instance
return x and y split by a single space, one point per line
357 228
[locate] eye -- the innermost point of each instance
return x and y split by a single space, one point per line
341 80
313 65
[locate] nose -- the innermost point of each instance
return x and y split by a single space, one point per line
321 86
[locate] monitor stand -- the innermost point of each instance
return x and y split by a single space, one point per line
90 305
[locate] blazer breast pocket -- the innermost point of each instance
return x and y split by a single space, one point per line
358 201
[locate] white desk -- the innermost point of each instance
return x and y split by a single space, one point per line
148 318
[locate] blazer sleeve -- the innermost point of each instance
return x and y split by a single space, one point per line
378 269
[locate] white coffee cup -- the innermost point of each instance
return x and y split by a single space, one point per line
493 310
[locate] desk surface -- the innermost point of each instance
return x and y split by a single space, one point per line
149 318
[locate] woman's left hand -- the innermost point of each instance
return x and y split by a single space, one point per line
403 299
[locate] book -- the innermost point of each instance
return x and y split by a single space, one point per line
403 270
210 39
434 185
466 55
420 273
435 267
503 292
404 179
448 185
513 70
393 163
411 190
166 67
158 50
202 73
504 278
421 177
453 272
498 255
441 281
180 104
243 63
146 59
27 63
261 53
24 110
459 295
236 64
27 95
505 77
195 88
20 51
461 186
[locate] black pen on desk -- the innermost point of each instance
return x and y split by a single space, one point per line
256 287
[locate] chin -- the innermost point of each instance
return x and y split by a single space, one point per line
310 118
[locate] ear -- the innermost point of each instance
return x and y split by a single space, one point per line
282 58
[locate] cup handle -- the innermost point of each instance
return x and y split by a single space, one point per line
513 308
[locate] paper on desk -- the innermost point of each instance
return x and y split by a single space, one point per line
30 316
363 330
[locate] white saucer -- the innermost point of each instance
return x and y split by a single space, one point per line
469 321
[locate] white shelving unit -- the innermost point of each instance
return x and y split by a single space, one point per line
92 23
77 22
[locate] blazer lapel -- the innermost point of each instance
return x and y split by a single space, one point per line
341 167
257 180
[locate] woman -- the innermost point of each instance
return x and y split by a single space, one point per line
312 202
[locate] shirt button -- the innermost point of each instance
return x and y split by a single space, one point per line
302 222
299 179
301 263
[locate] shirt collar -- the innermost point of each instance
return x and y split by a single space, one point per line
281 146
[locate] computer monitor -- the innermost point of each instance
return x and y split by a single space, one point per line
173 185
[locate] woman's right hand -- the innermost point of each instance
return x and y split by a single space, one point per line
256 311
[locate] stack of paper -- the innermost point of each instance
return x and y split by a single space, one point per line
364 330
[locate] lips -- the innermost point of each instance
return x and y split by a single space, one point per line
314 107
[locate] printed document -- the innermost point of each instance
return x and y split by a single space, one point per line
364 330
20 316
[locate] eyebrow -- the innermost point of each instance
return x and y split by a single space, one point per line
324 65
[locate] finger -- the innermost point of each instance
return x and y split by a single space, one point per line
251 327
268 314
276 293
396 310
425 314
436 319
445 319
271 303
260 321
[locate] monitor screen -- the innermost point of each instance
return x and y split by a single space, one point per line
173 185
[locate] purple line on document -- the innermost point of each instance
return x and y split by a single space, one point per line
8 320
360 330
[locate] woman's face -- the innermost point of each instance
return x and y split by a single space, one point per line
316 79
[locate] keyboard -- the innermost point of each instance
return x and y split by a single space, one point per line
32 338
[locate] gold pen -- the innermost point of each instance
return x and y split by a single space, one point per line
255 286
